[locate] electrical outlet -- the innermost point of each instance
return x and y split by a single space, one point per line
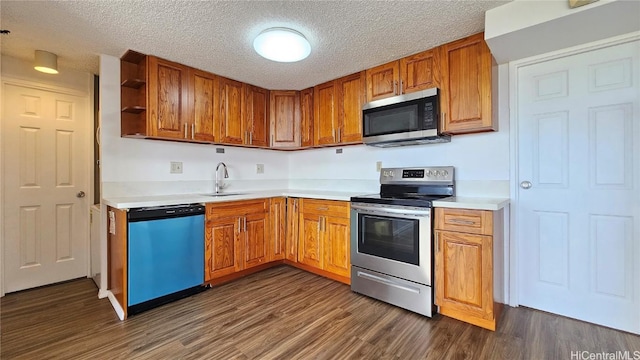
259 168
176 167
219 150
378 166
338 151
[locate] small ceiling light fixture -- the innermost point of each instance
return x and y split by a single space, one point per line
282 45
46 62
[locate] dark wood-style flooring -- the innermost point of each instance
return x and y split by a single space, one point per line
280 313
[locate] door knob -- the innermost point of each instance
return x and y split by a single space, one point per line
80 194
525 185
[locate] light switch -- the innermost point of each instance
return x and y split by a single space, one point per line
259 168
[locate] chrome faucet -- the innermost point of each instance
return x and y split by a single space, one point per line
219 186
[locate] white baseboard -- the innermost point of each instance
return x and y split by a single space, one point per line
116 305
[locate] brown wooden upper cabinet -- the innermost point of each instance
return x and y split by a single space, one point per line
306 117
324 117
230 111
409 74
202 101
338 110
285 118
466 86
168 98
256 116
180 102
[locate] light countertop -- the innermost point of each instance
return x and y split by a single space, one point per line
161 200
474 203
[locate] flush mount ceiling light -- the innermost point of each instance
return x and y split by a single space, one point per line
282 45
46 62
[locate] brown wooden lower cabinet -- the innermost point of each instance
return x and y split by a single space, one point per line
277 219
324 238
311 234
236 237
291 250
117 255
464 264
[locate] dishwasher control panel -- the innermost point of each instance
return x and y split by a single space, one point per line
164 212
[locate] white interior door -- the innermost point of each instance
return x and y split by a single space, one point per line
45 169
579 154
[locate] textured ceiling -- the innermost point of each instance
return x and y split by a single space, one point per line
217 36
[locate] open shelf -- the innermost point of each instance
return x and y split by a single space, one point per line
134 109
133 94
133 83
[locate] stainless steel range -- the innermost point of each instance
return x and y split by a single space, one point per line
392 237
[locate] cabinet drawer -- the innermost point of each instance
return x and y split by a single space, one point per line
219 210
325 207
465 221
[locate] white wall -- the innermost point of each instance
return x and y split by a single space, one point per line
524 28
23 69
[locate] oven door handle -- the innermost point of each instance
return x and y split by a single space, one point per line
390 210
384 281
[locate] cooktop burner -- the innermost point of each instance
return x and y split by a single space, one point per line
411 200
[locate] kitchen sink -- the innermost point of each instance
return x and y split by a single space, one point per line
222 194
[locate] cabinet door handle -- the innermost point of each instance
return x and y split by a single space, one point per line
437 242
239 228
245 224
185 131
444 118
401 86
463 222
323 208
334 135
272 140
193 131
395 87
339 135
250 138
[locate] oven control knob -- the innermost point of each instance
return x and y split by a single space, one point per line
445 173
428 173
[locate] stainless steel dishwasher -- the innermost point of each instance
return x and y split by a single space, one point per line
165 255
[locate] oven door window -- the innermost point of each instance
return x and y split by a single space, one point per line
389 237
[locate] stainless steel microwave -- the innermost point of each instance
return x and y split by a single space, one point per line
409 119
